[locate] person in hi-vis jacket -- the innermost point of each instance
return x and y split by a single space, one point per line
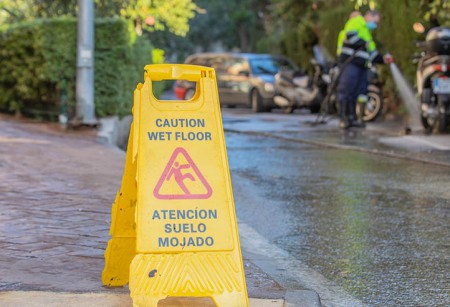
355 50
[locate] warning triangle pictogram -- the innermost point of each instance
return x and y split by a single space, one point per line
181 179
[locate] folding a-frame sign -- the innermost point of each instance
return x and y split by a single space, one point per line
174 230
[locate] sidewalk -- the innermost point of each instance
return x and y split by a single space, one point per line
56 192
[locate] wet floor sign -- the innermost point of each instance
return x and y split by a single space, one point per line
174 230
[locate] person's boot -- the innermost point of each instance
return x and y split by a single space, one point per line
362 101
344 122
352 114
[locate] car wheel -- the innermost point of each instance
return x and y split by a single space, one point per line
256 101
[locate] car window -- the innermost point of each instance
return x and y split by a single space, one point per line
219 63
237 66
270 65
192 61
223 64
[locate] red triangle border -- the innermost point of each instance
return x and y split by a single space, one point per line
177 151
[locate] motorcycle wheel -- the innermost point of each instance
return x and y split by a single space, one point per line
373 108
442 121
425 123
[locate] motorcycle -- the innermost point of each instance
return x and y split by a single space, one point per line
295 89
433 80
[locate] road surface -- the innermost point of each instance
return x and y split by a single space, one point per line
359 216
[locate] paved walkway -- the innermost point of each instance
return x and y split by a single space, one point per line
56 190
55 207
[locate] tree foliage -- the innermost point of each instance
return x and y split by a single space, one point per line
435 12
237 24
173 15
230 25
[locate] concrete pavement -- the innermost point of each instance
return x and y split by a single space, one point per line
56 192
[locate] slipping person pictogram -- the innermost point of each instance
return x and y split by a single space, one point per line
176 172
181 179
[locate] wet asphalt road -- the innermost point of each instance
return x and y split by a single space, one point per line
374 225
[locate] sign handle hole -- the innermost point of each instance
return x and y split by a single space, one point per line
174 90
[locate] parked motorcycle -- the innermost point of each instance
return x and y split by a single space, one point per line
433 80
295 89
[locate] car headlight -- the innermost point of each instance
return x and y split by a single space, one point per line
268 87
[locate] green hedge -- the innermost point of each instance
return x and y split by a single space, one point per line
38 66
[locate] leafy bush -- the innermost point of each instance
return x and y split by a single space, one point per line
38 66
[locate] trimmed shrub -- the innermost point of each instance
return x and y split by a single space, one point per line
38 66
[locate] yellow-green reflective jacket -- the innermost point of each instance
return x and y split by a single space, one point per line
356 40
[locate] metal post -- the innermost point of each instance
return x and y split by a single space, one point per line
85 111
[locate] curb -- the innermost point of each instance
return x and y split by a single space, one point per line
67 299
292 298
304 298
343 147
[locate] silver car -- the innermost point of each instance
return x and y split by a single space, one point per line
244 79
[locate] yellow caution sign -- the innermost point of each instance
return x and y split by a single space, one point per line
173 222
